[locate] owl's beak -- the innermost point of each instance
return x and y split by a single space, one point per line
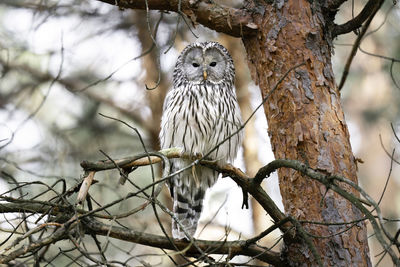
205 74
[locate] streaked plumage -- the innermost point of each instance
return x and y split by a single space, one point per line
200 111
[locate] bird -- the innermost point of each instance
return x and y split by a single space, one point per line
201 116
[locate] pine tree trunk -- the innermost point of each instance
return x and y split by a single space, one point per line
306 123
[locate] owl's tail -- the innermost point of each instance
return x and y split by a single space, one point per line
188 203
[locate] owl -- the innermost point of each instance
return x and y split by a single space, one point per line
200 111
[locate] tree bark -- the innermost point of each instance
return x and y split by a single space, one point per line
306 123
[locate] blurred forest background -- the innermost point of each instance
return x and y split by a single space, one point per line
64 62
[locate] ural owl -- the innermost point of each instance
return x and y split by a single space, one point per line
200 111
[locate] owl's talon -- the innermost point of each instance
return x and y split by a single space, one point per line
198 155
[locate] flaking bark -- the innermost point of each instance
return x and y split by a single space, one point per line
306 123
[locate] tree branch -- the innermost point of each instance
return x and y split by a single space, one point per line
74 86
213 247
369 9
91 226
232 21
247 184
330 182
357 43
60 233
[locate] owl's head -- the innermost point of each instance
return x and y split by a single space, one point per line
201 62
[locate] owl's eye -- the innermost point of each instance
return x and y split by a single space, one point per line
213 64
195 65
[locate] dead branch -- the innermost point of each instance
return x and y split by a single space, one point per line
91 226
212 247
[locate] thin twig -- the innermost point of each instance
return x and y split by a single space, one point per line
358 41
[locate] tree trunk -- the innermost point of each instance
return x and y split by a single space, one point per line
155 98
306 123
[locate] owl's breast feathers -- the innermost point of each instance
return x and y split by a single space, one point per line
199 117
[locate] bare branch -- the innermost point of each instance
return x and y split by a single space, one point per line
357 43
94 227
330 182
77 87
59 234
232 21
83 191
214 247
246 183
369 10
